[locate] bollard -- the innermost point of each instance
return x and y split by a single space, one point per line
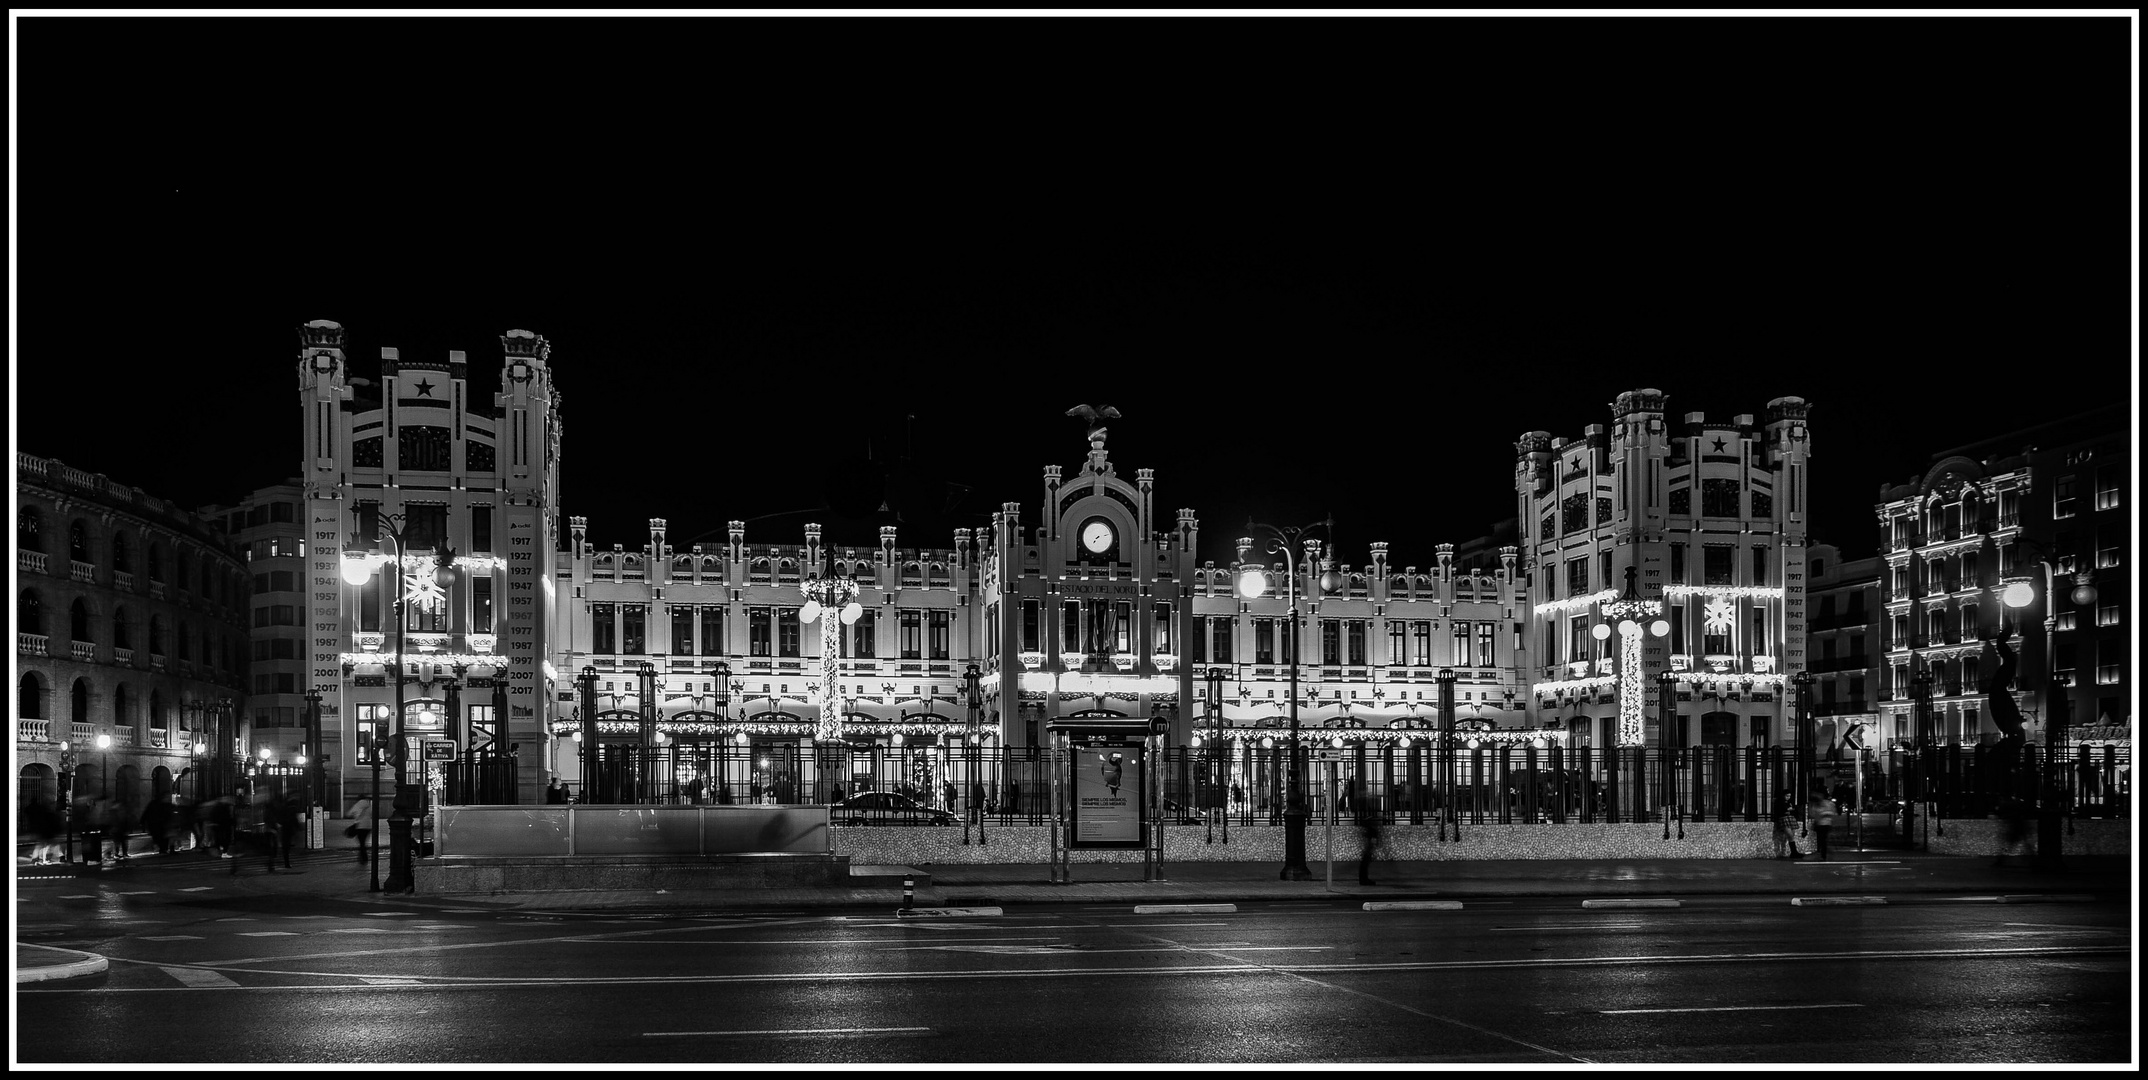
907 885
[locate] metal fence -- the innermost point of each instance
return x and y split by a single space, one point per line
1406 784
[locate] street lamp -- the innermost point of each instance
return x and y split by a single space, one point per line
412 586
837 596
1252 582
1218 757
2052 793
974 699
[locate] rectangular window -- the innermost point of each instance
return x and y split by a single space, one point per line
2106 612
1603 570
1678 564
1458 654
937 621
1223 639
1758 646
371 736
482 731
862 634
481 528
761 631
1264 641
369 605
481 604
2107 545
1199 655
682 630
913 634
1032 625
1330 642
712 630
1760 566
1421 643
1718 564
603 639
1160 639
1398 642
1069 626
633 629
1356 643
1577 577
788 630
2064 501
1485 632
1577 637
1122 632
425 525
1678 627
2106 487
1719 497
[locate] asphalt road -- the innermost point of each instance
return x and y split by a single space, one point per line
1541 982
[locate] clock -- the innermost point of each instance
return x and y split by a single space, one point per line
1096 536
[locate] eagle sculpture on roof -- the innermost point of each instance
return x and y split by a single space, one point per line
1095 417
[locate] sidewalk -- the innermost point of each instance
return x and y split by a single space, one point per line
1895 876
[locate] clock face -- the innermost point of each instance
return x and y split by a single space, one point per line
1096 536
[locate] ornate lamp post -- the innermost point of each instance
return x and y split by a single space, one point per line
1633 617
413 586
2053 800
837 598
1251 584
1218 757
67 795
104 784
973 747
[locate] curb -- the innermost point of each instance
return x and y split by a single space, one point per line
945 912
84 964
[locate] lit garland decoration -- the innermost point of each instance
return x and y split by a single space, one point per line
1727 592
830 599
1634 619
1575 603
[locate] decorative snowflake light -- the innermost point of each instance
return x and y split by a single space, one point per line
1718 615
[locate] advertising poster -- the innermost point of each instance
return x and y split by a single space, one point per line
1108 792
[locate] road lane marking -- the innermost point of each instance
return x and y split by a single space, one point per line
270 933
1627 903
200 888
1725 1008
1579 926
174 937
1184 909
196 978
787 1032
388 980
1132 925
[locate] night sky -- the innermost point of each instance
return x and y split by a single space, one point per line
791 270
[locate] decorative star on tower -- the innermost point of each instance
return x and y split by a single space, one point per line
425 389
1719 446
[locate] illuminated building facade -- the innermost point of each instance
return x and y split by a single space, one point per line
130 622
1842 648
1991 514
1708 520
471 487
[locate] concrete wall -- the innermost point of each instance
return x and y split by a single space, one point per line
1191 843
1980 836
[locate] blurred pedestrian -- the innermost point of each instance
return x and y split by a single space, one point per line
157 822
218 817
2013 816
1785 839
361 827
45 827
1820 814
554 795
1370 839
283 813
95 822
118 827
693 790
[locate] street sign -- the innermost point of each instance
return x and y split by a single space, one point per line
439 750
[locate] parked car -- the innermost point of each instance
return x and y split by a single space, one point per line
886 808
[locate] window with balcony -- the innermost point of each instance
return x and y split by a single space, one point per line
29 525
29 612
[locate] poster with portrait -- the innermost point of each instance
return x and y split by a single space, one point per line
1109 791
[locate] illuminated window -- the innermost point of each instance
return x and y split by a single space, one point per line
1421 643
788 629
372 736
2063 498
603 631
2106 487
938 638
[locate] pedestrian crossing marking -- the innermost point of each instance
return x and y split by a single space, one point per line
198 977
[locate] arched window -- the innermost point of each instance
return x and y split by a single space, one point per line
121 637
156 561
156 710
122 560
183 642
29 529
180 565
156 635
29 612
78 702
122 707
30 697
78 621
78 542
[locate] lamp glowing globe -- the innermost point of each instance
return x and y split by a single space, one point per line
357 569
810 611
1600 631
2019 594
1252 584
